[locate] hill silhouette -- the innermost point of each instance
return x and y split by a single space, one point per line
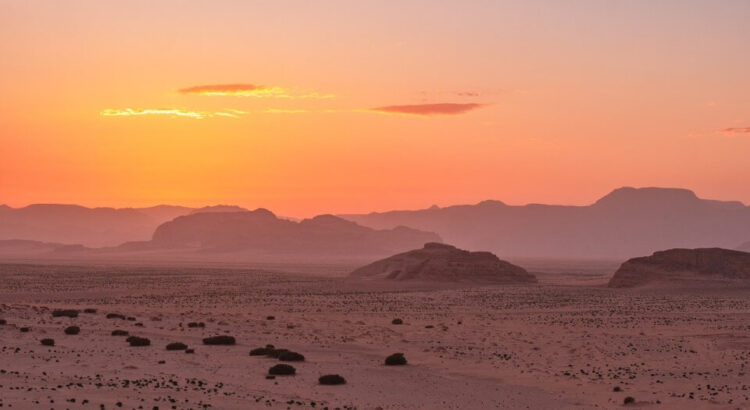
622 224
94 227
676 266
260 230
437 262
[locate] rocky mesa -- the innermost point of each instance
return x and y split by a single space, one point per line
683 266
438 262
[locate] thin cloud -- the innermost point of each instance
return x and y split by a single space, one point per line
284 111
251 90
427 110
171 112
736 130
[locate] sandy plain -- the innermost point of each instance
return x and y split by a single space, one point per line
565 343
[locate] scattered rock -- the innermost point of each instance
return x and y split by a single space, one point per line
196 324
176 346
260 351
138 341
72 313
331 380
282 370
219 340
396 359
397 321
290 356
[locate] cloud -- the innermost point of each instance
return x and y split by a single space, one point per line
736 130
427 109
283 111
172 112
251 90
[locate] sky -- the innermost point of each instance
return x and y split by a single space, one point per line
351 106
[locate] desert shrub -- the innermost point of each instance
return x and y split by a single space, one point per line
396 359
260 351
275 353
290 356
130 319
3 322
65 313
629 400
119 332
282 370
89 310
48 342
617 389
176 346
115 316
189 351
270 317
397 321
331 380
219 340
138 341
24 329
72 330
196 324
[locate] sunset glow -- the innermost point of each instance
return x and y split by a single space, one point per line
308 108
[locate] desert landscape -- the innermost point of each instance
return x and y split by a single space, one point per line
539 345
374 205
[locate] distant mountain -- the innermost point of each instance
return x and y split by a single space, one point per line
704 267
625 223
217 208
25 248
745 247
261 231
94 227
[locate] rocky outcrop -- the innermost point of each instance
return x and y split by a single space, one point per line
683 265
445 263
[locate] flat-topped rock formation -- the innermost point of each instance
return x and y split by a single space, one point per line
445 263
683 265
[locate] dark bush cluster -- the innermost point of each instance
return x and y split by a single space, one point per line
219 340
115 316
176 346
72 330
3 322
65 313
629 400
48 342
396 359
119 332
138 341
24 329
331 380
290 356
196 324
397 321
89 311
282 370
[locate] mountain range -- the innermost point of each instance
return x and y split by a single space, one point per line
625 223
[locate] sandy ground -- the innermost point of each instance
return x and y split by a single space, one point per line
546 346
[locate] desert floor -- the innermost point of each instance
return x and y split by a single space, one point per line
565 343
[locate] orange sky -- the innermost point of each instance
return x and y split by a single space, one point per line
340 106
